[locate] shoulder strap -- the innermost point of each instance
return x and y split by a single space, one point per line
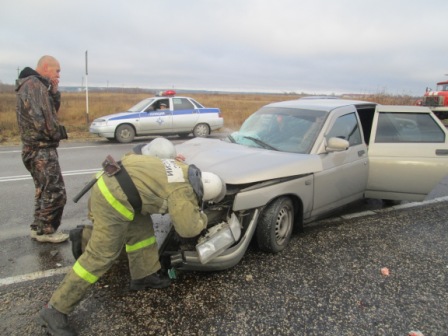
129 188
194 177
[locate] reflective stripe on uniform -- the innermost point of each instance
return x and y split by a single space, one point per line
84 274
142 244
120 208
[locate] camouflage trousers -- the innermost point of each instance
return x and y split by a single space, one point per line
50 195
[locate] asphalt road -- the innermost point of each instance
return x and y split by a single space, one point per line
327 282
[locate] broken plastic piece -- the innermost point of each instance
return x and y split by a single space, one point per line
172 274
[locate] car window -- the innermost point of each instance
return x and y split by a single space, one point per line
182 104
346 127
197 104
141 105
407 127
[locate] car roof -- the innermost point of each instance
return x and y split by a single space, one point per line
166 97
322 104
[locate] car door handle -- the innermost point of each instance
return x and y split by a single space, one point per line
361 153
441 151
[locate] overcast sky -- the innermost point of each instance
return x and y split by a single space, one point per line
319 46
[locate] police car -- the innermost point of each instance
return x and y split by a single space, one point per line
164 114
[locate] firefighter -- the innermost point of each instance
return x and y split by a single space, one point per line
122 218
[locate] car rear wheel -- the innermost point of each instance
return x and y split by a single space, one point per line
275 226
125 133
201 130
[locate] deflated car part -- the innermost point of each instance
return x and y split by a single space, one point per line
161 148
218 238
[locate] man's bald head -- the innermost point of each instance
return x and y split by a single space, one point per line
48 67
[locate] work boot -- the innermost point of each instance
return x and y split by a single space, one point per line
155 280
76 239
56 322
56 237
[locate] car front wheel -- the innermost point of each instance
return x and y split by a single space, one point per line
201 130
125 133
275 225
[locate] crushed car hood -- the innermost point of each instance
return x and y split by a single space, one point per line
238 164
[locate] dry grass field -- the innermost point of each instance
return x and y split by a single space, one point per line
234 107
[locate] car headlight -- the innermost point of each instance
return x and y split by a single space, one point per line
217 239
99 122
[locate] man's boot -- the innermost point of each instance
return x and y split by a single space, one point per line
56 322
155 280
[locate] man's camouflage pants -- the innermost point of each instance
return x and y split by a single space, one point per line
50 196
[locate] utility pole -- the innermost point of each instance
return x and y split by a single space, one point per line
87 94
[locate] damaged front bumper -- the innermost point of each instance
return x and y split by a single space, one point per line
221 249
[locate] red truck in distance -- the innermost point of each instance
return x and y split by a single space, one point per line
437 100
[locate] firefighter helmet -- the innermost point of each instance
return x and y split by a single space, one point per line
214 187
161 148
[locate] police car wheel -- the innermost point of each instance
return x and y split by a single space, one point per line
201 130
125 133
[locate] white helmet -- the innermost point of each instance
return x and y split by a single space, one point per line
214 187
161 148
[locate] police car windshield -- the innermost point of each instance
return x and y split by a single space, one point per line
141 105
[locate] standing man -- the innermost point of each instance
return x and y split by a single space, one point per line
121 205
38 101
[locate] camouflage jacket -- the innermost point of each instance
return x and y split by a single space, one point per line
37 110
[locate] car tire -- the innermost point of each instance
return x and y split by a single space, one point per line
125 133
275 226
201 131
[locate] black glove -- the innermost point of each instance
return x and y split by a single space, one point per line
63 132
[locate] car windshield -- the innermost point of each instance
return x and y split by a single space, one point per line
141 105
283 129
442 87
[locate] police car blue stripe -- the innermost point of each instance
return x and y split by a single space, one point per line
163 113
126 116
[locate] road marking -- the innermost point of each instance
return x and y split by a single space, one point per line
90 171
65 148
34 276
59 148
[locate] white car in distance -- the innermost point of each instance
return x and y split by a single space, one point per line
166 114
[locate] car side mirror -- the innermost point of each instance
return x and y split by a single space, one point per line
336 145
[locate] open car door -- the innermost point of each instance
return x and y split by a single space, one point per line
408 153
